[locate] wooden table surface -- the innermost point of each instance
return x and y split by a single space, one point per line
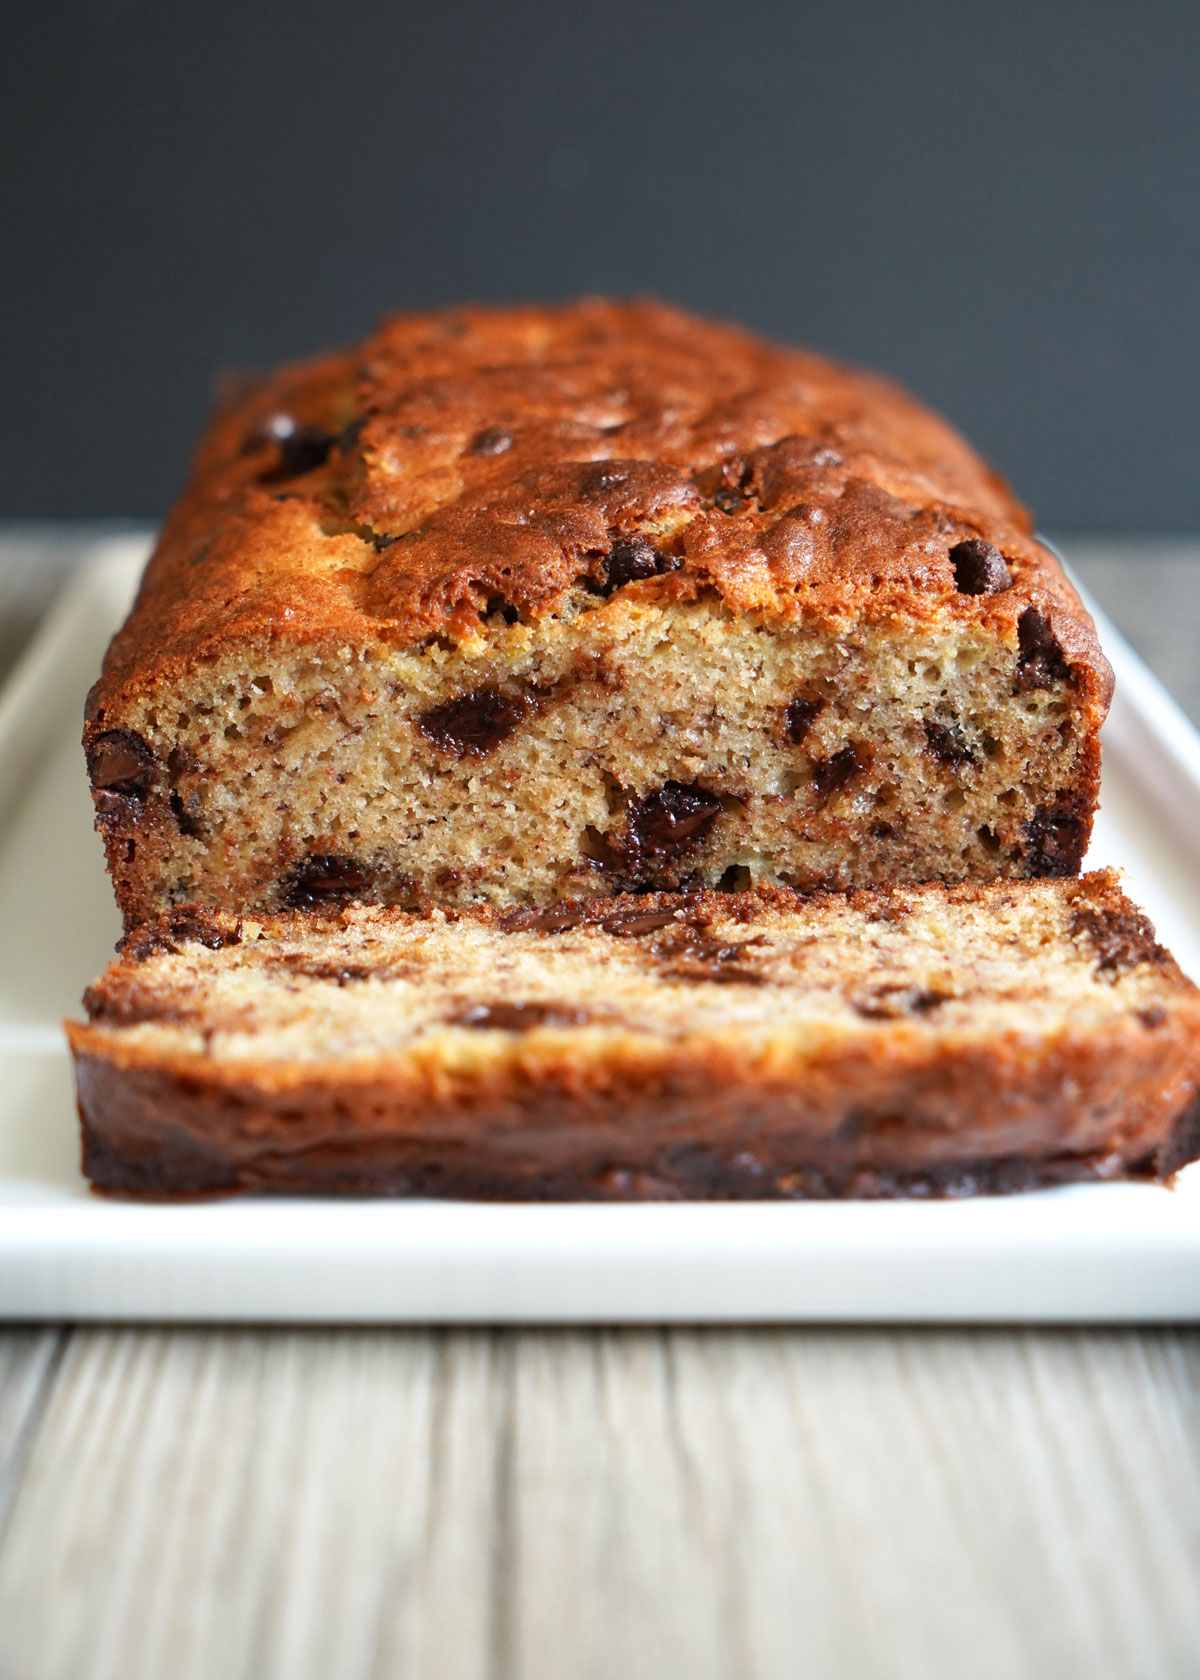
259 1504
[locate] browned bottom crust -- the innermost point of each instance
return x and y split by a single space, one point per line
154 1135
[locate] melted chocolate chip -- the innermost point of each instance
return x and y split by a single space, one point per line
302 449
519 1017
1121 939
947 744
603 477
632 560
892 1003
341 974
730 487
698 972
555 918
693 945
979 569
634 924
1054 841
667 823
189 924
799 717
475 723
629 562
121 762
1040 663
832 774
695 958
496 440
323 877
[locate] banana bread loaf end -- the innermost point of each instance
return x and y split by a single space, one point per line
516 604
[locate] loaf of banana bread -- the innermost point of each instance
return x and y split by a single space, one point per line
511 605
892 1041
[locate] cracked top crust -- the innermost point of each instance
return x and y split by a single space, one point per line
475 465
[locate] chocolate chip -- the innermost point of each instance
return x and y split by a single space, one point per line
475 723
631 923
696 957
892 1003
1040 663
555 918
189 924
302 449
1054 841
634 924
832 774
341 974
799 717
519 1017
209 928
633 559
1121 939
121 762
667 823
728 487
979 569
496 440
629 562
323 877
947 744
1152 1016
600 479
698 972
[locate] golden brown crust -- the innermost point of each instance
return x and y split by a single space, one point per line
904 1092
695 1132
482 455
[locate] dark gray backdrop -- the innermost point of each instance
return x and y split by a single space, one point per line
997 202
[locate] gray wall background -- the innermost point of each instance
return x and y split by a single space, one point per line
997 203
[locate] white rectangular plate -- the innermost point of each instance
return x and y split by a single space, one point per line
1091 1252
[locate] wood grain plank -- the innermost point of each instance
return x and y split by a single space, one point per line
636 1503
866 1504
256 1504
28 1358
